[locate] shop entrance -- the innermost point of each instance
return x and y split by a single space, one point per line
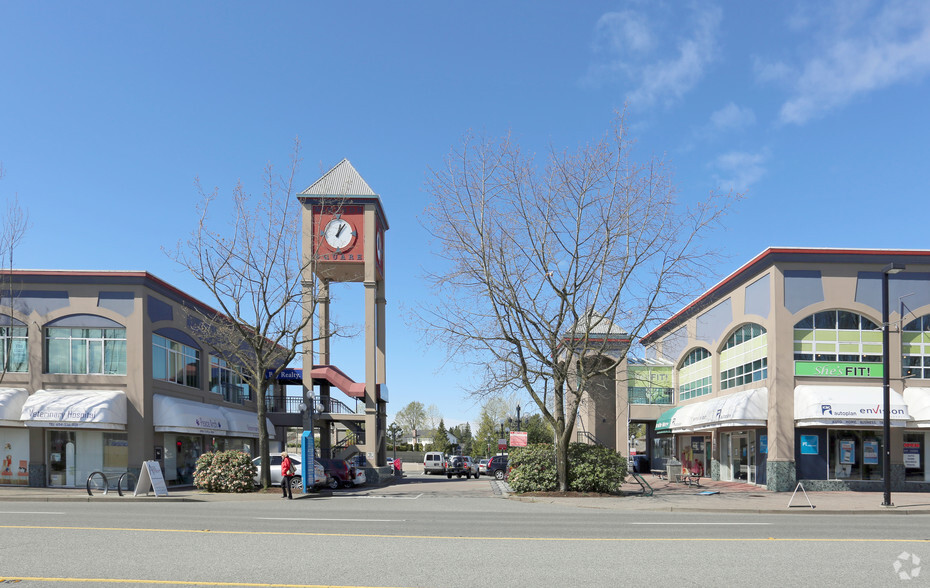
740 456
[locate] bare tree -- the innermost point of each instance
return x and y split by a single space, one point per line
412 417
12 232
542 266
255 271
433 416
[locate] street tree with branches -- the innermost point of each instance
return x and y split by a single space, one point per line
548 272
255 269
12 232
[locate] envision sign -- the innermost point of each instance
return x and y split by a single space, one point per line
837 370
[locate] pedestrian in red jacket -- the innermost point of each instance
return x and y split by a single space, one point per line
287 472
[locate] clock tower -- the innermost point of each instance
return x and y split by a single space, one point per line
343 237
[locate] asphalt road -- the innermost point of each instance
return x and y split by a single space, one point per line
437 532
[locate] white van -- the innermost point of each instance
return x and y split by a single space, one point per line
434 462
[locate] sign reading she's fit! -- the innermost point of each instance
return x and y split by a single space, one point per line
830 369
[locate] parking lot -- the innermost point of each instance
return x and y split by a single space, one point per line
415 484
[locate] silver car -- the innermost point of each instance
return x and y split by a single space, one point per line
320 477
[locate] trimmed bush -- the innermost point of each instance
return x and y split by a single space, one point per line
533 468
591 468
594 468
225 471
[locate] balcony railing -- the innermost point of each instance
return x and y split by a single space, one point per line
291 405
640 395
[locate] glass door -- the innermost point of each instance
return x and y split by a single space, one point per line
739 457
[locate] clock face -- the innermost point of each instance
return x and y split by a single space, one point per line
339 234
379 247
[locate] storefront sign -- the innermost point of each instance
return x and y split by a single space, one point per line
912 455
763 444
837 370
150 478
810 445
848 451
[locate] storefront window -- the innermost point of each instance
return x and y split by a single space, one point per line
74 455
915 457
181 453
854 455
915 348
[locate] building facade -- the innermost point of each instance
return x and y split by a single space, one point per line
101 372
777 373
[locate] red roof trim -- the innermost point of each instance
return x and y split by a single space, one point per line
771 251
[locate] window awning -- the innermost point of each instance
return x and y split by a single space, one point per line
918 406
82 409
242 423
861 406
11 406
664 422
748 408
176 415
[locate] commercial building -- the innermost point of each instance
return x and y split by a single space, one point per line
777 373
101 371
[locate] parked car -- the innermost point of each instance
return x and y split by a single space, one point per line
483 466
434 462
340 471
461 465
320 477
497 467
472 466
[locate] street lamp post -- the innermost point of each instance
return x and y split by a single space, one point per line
891 268
518 418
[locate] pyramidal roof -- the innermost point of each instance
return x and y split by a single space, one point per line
342 180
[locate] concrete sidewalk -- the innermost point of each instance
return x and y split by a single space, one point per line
710 496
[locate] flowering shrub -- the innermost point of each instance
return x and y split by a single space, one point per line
225 471
591 468
533 468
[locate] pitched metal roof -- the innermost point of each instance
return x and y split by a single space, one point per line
341 180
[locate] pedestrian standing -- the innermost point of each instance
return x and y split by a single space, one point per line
287 472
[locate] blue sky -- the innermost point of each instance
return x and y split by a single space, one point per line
818 112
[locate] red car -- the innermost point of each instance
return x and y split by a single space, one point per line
340 471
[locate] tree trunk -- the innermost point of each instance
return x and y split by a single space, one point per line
265 473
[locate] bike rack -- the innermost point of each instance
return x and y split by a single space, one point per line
106 485
119 484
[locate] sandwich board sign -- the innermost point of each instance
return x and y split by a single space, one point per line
151 479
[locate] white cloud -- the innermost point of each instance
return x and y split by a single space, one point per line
739 170
628 46
732 118
864 50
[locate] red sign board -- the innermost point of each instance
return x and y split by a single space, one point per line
518 438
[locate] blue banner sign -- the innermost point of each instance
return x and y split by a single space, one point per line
810 445
287 374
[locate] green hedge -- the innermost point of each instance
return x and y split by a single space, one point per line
225 471
591 468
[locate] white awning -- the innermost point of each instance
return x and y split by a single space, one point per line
11 406
748 408
918 406
242 423
82 409
176 415
859 406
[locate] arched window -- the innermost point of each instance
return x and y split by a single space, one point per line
694 376
85 344
915 348
14 341
837 335
744 357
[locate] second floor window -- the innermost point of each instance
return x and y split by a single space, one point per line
744 358
85 351
915 348
837 335
227 382
175 362
694 376
14 350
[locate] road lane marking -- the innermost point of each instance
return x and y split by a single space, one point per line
333 520
389 497
476 538
29 512
683 524
137 581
